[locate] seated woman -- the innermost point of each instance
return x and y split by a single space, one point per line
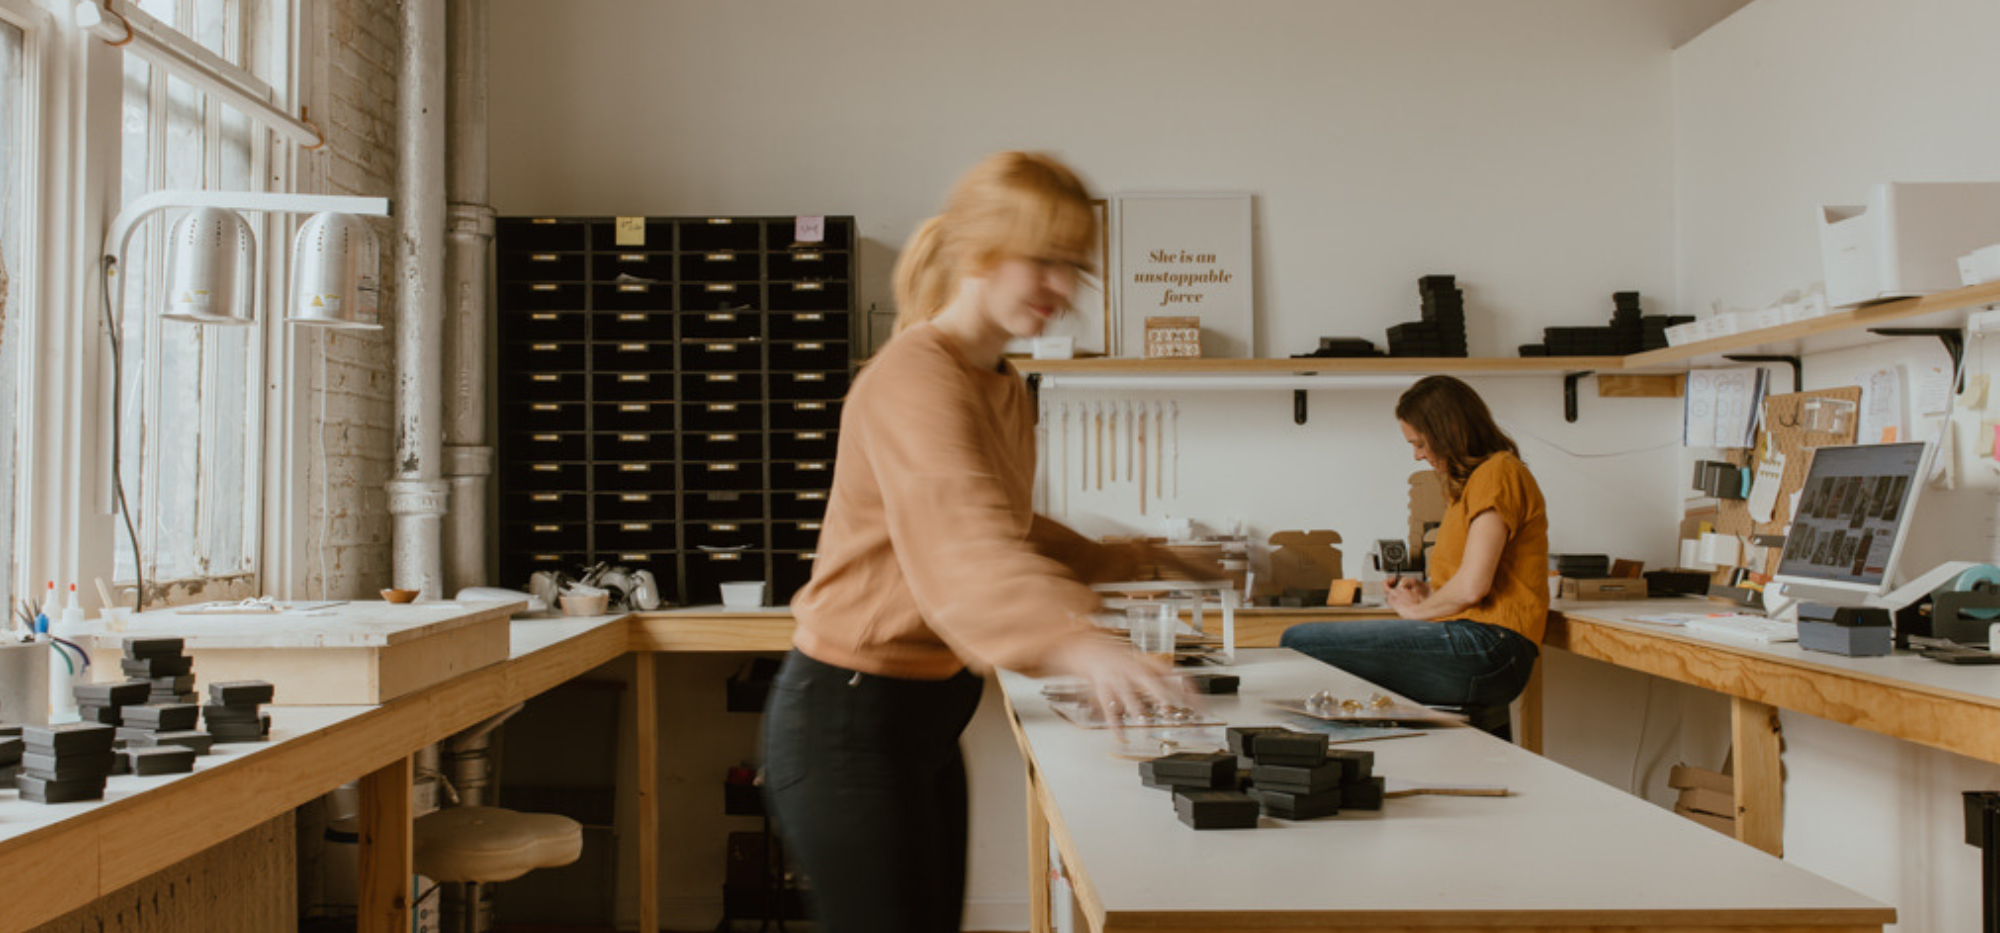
1470 638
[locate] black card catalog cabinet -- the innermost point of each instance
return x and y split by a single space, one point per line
670 393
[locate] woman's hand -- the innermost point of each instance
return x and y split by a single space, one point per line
1405 594
1120 680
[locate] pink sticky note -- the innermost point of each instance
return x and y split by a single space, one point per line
1996 442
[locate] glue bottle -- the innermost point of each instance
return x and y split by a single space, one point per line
62 693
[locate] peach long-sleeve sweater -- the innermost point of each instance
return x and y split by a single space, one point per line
931 558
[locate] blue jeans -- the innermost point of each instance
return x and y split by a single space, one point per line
1456 663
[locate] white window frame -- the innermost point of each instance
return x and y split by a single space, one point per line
24 278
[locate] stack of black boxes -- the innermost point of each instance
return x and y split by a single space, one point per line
10 752
1582 566
1292 776
171 714
1631 331
103 703
65 762
235 711
158 661
1340 347
1441 333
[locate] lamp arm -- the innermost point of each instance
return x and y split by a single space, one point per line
153 202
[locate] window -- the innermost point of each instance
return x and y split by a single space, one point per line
191 404
16 160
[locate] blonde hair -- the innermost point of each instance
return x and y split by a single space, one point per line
1010 204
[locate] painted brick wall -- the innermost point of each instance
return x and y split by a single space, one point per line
351 72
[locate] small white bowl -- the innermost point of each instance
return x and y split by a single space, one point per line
744 595
575 604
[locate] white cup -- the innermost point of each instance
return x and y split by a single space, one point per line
1152 626
748 594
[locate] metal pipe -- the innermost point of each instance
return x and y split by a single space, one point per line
417 493
469 458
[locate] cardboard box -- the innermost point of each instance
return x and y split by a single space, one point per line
1726 827
1603 588
1709 801
1686 776
1305 560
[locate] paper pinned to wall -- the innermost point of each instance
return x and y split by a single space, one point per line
1722 405
1769 481
1881 406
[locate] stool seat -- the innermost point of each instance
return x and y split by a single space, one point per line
485 844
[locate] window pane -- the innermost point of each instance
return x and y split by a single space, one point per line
13 177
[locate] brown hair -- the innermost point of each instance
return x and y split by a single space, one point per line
1455 423
1010 204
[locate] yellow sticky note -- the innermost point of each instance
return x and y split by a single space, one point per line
1889 434
631 231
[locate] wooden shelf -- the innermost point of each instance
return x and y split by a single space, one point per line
1364 365
1840 329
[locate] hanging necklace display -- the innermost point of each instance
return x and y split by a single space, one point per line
1114 442
1042 447
1098 407
1141 451
1177 448
1131 447
1065 459
1159 451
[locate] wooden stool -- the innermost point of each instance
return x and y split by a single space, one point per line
482 845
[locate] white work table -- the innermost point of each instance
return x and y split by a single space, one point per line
1562 852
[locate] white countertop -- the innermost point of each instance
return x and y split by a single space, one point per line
358 624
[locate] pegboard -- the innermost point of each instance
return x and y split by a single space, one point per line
1779 430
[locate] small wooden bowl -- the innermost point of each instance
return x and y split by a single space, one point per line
401 596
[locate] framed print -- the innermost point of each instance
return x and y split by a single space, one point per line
1186 255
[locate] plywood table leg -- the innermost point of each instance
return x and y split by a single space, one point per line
1531 710
385 850
647 721
1760 779
1040 913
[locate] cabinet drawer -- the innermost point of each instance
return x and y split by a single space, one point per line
633 507
805 416
541 296
803 445
633 387
801 505
721 325
809 325
806 264
734 475
721 266
542 356
720 356
656 326
654 235
634 477
811 355
646 417
723 535
539 233
634 535
795 535
707 571
632 356
529 326
808 385
544 416
516 567
837 233
519 507
540 266
542 387
545 536
721 506
544 446
632 446
722 416
709 234
639 264
721 387
789 574
632 296
808 296
722 445
722 296
802 474
542 476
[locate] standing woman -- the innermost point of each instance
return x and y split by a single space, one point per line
1470 637
932 561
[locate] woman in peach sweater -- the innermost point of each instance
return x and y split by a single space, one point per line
932 565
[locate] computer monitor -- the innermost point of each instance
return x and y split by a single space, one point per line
1853 516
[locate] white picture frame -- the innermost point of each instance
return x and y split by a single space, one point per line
1186 255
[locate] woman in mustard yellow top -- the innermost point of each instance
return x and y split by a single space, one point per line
1469 637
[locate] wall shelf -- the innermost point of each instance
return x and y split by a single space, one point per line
1841 329
1314 366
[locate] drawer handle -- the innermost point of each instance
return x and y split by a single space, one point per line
811 467
548 529
546 497
813 436
721 348
718 317
631 257
722 407
721 220
719 257
639 557
806 257
721 438
808 317
719 288
544 347
725 556
543 288
547 438
547 557
809 526
635 468
809 406
722 377
544 257
544 406
812 346
809 377
807 287
547 468
544 220
543 377
541 317
635 526
634 407
808 556
722 468
811 496
722 527
635 377
632 348
636 497
631 318
634 288
634 438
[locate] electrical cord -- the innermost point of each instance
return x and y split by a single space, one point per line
116 335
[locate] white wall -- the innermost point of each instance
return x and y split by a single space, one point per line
1788 105
1525 147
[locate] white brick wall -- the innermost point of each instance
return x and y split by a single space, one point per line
352 64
